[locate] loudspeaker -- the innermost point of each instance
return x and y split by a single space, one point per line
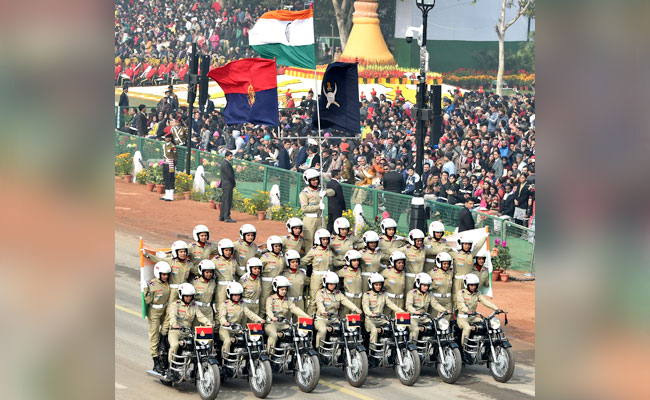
436 100
203 81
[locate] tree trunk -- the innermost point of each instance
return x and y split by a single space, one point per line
340 12
501 65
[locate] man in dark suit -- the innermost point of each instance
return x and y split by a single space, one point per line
465 219
123 105
336 203
228 185
393 182
284 161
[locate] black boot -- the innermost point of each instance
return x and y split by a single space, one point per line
157 367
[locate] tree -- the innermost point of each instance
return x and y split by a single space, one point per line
343 10
523 7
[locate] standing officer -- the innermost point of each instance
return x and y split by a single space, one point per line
278 305
352 283
272 266
156 296
418 301
443 278
228 184
389 240
206 289
311 203
464 259
372 259
296 277
226 267
321 259
245 248
466 302
293 241
169 162
251 283
336 204
180 263
201 249
436 243
374 301
179 133
329 300
415 254
395 278
480 270
341 240
232 311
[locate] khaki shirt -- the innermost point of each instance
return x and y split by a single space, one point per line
199 253
373 261
205 290
272 264
169 152
280 307
297 281
291 243
374 303
418 301
157 292
463 261
252 288
442 281
483 277
310 201
414 258
436 247
232 312
387 246
341 246
467 302
179 134
330 302
394 281
180 269
352 282
244 252
226 269
182 314
320 259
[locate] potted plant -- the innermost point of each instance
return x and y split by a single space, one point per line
503 260
141 177
215 195
494 254
158 178
150 178
184 183
124 166
260 202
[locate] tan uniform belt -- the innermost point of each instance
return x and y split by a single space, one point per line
311 215
250 301
267 279
410 275
462 315
201 304
319 272
158 306
430 260
442 295
223 283
395 296
366 273
354 296
459 276
295 298
175 285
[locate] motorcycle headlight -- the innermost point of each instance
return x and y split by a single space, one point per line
400 327
495 323
443 324
255 338
303 332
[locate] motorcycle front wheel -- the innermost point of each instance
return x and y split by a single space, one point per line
503 367
208 387
307 380
450 364
260 378
357 372
409 372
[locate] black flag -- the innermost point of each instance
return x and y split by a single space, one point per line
339 98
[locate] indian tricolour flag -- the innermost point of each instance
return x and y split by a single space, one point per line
287 36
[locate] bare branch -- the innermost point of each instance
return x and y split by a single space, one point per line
519 13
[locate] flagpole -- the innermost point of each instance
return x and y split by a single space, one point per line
320 147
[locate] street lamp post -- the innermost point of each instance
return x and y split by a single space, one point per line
418 219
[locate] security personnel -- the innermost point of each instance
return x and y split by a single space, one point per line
180 263
466 302
352 281
294 240
418 301
464 259
226 267
169 162
245 248
341 240
201 249
296 277
479 269
329 300
183 312
443 278
178 132
372 259
395 278
373 304
415 255
272 266
232 311
279 305
252 284
311 203
436 243
389 240
321 259
206 289
156 296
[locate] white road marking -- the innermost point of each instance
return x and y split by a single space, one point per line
118 386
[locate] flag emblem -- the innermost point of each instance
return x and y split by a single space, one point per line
251 95
354 320
203 332
330 95
403 318
305 323
255 328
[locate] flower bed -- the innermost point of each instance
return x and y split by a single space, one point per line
371 74
472 79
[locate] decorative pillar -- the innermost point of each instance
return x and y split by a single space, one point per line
366 44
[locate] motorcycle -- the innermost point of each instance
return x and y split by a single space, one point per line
248 359
193 363
345 348
436 346
395 350
296 354
487 343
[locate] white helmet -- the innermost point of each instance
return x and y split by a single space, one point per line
415 234
422 279
224 244
280 281
291 255
341 223
185 289
470 279
370 236
234 288
330 277
273 239
481 253
205 265
436 226
161 267
247 228
321 234
178 245
352 255
309 175
253 262
200 229
465 239
375 278
444 256
387 223
292 223
397 255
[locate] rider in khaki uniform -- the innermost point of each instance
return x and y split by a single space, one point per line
272 266
321 258
418 301
464 260
436 243
442 279
206 289
245 249
226 267
372 259
180 263
252 284
373 303
232 311
342 242
352 281
279 305
156 296
479 269
389 240
294 240
416 254
311 203
329 300
296 277
201 248
395 278
466 301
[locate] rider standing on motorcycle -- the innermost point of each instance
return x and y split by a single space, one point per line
296 277
232 311
252 284
183 312
464 259
180 264
206 289
436 243
395 278
278 305
373 304
415 255
480 270
466 301
156 296
321 258
272 266
341 240
294 240
352 282
245 249
443 278
201 248
372 259
389 240
418 301
311 203
226 267
328 301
